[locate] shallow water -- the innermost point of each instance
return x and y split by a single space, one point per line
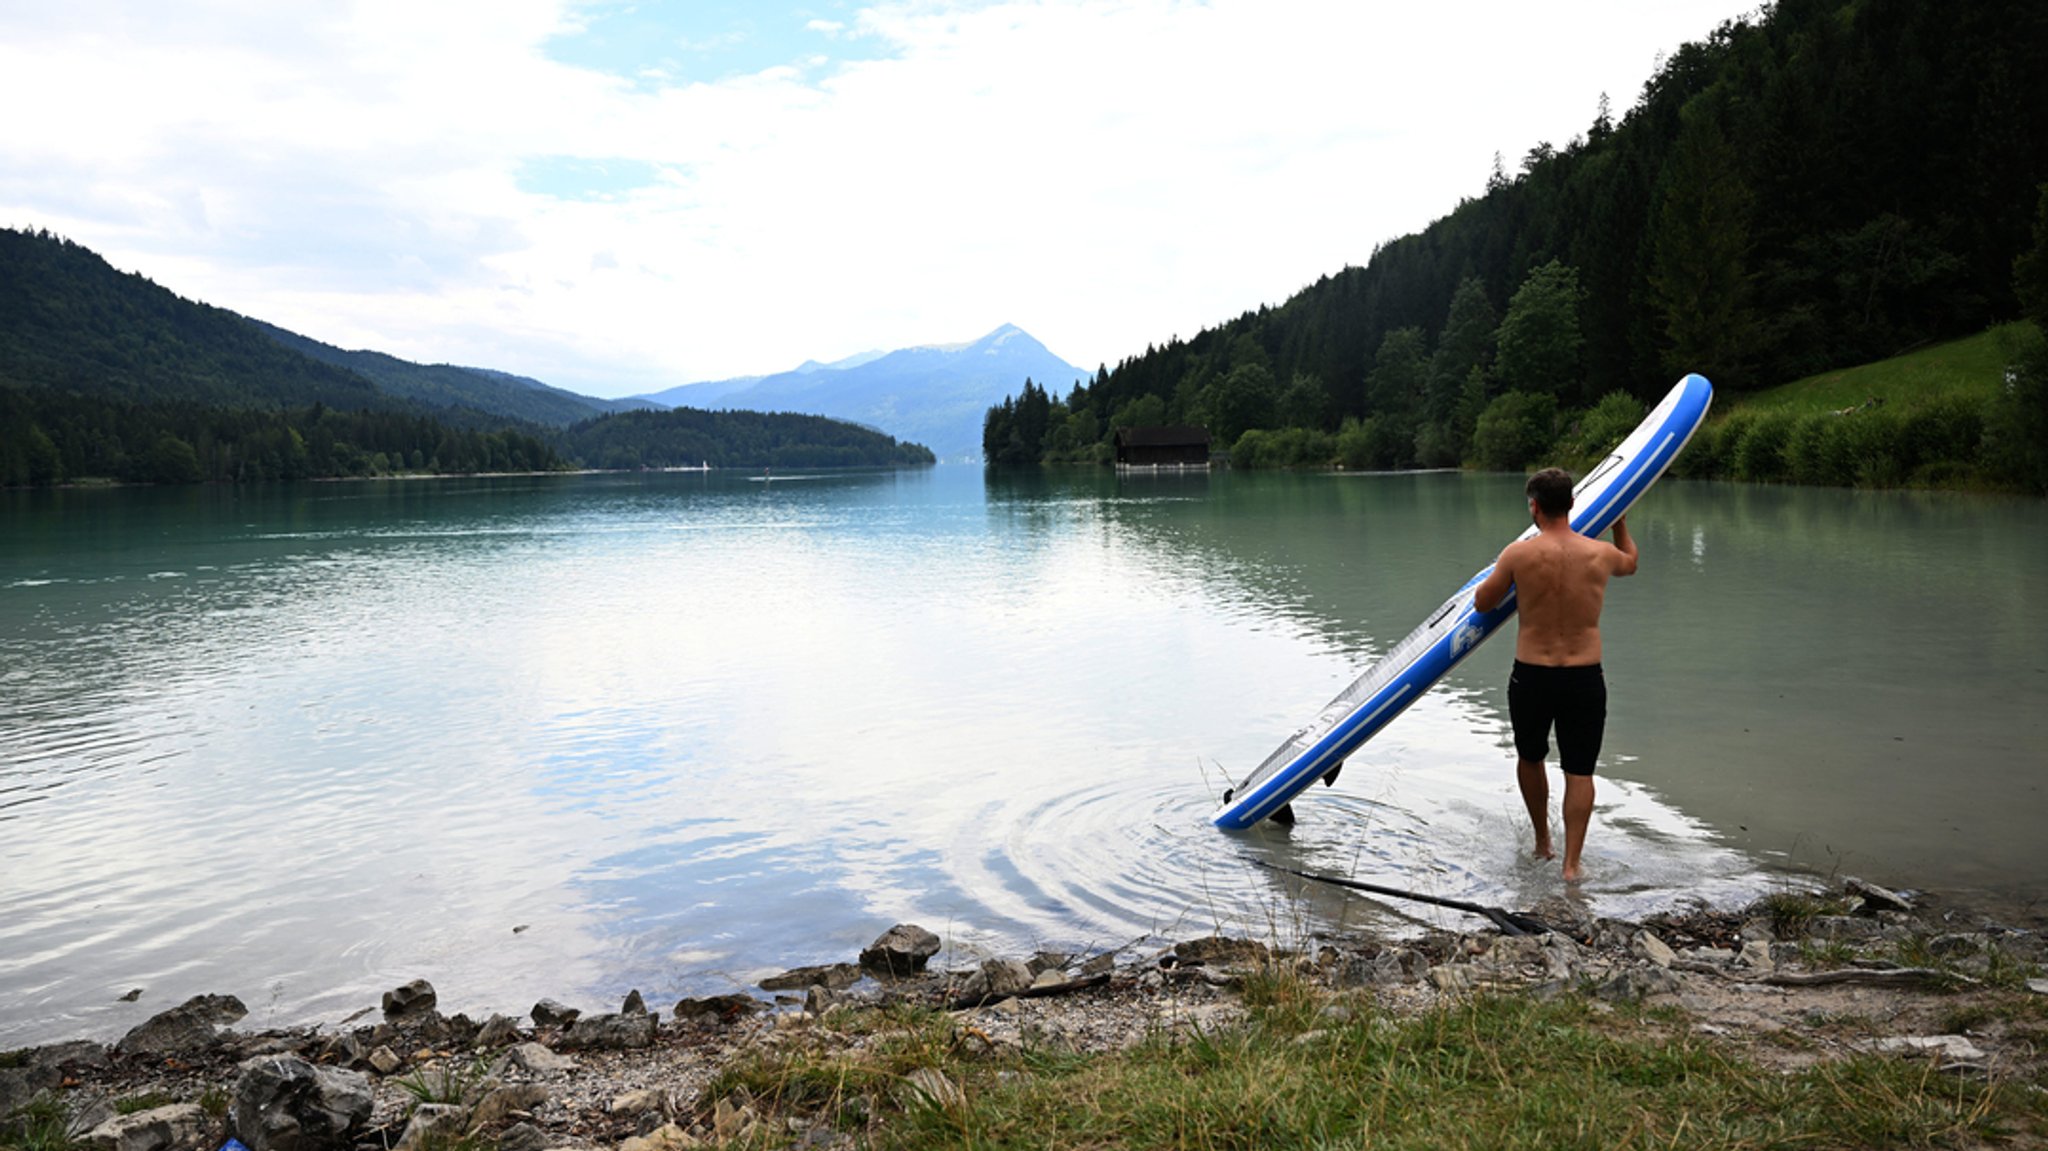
569 736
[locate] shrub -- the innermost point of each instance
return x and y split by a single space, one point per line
1760 455
1514 430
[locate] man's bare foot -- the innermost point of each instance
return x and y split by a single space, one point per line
1573 873
1543 850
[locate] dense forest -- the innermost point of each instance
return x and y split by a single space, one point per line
105 375
687 437
1824 184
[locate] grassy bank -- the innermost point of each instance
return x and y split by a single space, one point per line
1939 417
1310 1069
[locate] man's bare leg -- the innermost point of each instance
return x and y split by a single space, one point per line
1536 794
1578 813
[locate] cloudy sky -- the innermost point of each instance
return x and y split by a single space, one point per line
619 197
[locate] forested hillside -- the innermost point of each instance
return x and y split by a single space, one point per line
1824 184
687 437
107 376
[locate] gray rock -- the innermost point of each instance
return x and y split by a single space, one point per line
20 1085
616 1032
283 1103
433 1122
1756 955
497 1031
385 1061
1955 944
718 1009
901 950
524 1137
1758 929
191 1026
548 1013
1844 928
1719 956
1223 951
832 976
2038 986
178 1127
820 999
1877 898
634 1005
1944 1048
1450 980
1004 977
1653 949
500 1103
413 999
1634 983
344 1049
646 1101
1391 966
535 1059
1045 961
1101 964
931 1087
78 1054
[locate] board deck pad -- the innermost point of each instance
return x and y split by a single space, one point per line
1455 629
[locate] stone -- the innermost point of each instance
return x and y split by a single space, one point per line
645 1101
1450 980
902 950
1758 929
178 1127
930 1087
191 1026
20 1085
1843 928
1050 977
1653 949
283 1103
1045 961
74 1055
344 1049
433 1123
1756 955
718 1009
1101 964
548 1013
534 1059
1875 897
1957 943
1720 956
667 1137
615 1032
2038 986
1391 966
634 1005
524 1137
729 1122
831 976
413 999
820 999
385 1061
1003 977
1945 1048
1221 950
1637 983
500 1104
497 1031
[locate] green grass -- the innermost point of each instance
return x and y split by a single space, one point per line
1972 368
1505 1072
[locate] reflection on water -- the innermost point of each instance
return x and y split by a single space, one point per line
567 736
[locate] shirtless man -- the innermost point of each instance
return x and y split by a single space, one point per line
1559 579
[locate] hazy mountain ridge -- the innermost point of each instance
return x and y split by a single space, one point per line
935 394
452 386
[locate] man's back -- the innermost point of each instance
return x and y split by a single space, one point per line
1560 582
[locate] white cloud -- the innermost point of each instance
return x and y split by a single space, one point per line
1105 174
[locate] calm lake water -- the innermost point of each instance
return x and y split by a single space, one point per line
569 736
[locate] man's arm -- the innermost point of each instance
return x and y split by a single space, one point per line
1494 588
1626 545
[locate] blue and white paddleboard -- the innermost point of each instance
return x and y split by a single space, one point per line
1452 631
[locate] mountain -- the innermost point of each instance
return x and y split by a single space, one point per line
69 320
450 386
935 395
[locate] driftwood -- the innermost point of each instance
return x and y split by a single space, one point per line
967 1002
1885 977
1869 976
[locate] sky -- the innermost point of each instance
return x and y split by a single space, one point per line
620 197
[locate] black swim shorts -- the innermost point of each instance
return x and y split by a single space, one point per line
1574 698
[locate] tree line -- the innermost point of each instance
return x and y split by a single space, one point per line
687 437
1819 185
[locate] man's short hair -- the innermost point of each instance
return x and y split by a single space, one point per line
1551 488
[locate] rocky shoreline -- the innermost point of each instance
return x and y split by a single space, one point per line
1791 981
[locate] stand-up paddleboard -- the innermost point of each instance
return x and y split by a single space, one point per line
1452 631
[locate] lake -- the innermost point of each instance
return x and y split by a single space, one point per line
567 736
